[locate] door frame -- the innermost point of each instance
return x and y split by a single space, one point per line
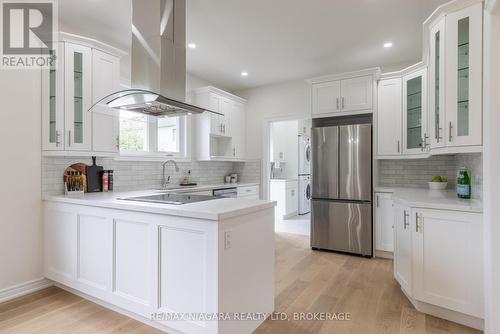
266 142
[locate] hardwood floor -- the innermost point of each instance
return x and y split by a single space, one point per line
306 281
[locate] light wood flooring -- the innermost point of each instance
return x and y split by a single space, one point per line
306 281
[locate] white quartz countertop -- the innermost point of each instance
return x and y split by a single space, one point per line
432 199
216 209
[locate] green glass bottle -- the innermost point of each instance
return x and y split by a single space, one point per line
463 184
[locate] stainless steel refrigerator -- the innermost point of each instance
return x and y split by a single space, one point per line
342 188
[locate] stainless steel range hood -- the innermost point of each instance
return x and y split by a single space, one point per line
158 62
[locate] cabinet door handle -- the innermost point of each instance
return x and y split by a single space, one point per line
234 151
117 143
439 137
337 104
405 220
418 223
377 200
58 138
343 103
450 128
399 146
69 138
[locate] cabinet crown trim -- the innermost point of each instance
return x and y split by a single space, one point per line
215 90
91 43
374 71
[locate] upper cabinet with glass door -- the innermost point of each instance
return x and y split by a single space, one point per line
455 77
80 76
464 76
436 84
415 139
53 102
78 98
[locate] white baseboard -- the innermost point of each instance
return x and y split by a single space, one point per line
117 309
384 254
439 312
24 288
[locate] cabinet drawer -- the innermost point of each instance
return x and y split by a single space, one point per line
248 191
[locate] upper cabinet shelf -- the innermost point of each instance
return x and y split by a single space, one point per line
219 137
343 94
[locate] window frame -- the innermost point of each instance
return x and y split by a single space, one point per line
151 153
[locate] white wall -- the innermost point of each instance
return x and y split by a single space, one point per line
284 138
107 21
20 177
491 164
287 100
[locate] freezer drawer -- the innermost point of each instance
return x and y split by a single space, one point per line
342 226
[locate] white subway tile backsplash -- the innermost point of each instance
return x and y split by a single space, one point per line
417 172
134 175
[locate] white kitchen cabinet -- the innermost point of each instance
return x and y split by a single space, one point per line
403 248
78 96
437 83
285 193
343 93
384 222
105 121
455 79
249 192
95 253
53 103
60 242
415 137
448 260
219 137
463 85
131 260
238 137
84 73
326 97
133 264
357 93
389 115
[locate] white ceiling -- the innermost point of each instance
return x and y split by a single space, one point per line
281 40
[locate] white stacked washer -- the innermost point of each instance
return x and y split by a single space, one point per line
304 174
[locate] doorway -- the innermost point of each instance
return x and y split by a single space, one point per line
287 173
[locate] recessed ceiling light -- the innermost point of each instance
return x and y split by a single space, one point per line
388 45
244 74
192 46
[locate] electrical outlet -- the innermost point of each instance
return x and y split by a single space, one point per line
227 239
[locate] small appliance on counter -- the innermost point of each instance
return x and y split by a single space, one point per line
231 178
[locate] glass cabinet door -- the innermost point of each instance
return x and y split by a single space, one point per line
52 108
414 106
436 81
464 79
78 73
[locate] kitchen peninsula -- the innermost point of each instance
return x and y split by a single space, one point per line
160 263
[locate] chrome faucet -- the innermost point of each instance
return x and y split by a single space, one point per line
166 181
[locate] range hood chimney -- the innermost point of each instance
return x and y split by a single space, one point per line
158 61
